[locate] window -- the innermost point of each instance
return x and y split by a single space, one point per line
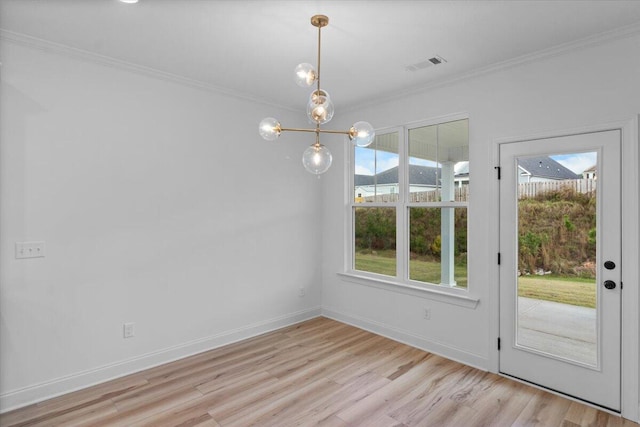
375 204
409 205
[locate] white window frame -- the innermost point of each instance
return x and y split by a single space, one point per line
401 282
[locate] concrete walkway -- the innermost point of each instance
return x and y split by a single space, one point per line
564 330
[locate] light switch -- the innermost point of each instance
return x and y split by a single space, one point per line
29 250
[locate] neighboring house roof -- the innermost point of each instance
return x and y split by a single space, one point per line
546 167
593 168
363 180
418 175
423 175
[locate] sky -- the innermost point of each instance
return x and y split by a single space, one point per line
577 163
366 162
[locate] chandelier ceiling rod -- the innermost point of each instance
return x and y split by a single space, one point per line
317 158
319 21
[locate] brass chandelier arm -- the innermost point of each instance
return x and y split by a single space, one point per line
343 132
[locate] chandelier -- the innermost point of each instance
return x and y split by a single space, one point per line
317 158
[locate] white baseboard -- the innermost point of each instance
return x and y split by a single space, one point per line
39 392
411 339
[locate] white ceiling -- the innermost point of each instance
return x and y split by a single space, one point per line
250 48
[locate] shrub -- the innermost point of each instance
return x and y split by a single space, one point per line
557 232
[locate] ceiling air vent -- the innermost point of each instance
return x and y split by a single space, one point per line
436 60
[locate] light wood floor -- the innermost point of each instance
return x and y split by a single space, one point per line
320 372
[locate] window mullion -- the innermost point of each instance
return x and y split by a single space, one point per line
349 257
402 231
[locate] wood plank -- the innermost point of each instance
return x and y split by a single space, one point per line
543 410
182 415
321 411
319 372
333 421
447 413
270 412
209 360
194 376
72 403
146 409
86 416
395 393
260 396
578 416
218 396
431 400
501 401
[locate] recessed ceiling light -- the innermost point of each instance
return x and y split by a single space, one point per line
129 1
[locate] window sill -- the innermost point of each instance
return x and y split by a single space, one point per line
446 296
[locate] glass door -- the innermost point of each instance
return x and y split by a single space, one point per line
560 276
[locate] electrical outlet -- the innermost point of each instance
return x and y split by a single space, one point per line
301 291
129 330
29 250
427 313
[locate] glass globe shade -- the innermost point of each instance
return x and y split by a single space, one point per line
320 108
305 75
319 96
362 134
317 159
269 128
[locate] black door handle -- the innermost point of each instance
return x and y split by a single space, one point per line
609 284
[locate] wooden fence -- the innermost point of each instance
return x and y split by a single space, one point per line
532 189
525 190
461 194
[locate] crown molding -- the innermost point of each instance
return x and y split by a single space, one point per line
68 51
96 58
586 42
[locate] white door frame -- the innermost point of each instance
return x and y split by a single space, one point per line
630 256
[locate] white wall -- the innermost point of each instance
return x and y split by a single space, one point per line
141 189
588 86
150 197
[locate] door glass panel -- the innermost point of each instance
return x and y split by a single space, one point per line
557 269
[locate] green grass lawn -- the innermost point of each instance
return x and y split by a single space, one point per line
381 264
429 271
566 290
384 262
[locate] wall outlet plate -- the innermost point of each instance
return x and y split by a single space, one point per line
30 250
128 330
